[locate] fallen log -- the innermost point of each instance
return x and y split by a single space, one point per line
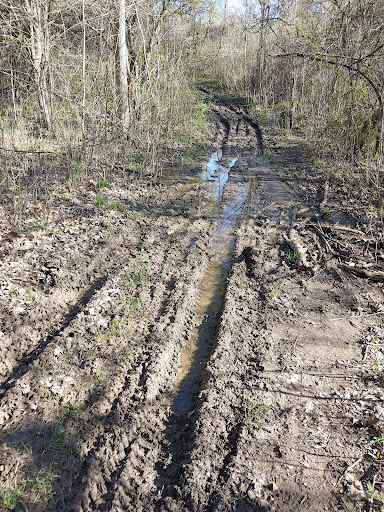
293 240
361 272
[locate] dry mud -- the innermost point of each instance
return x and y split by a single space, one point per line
169 354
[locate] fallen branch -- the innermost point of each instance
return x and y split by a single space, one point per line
349 468
347 229
323 236
293 240
361 272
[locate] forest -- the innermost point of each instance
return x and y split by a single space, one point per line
80 77
191 255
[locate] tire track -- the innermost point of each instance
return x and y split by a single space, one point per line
125 440
150 438
28 358
94 281
121 439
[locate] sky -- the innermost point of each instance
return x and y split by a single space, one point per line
234 4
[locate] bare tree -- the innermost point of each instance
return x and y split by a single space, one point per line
123 67
38 14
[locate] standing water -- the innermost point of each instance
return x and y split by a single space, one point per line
212 287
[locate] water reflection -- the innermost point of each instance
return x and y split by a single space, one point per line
213 284
217 173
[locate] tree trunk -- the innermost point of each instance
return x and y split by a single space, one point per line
122 73
294 99
38 25
83 74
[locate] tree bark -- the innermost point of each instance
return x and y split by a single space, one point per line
38 13
123 70
83 74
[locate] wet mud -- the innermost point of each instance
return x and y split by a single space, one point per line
175 357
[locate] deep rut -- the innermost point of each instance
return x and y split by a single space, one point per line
192 362
148 436
150 454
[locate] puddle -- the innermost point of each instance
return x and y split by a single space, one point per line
272 197
217 173
193 357
212 287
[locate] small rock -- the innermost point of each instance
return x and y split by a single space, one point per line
372 420
309 406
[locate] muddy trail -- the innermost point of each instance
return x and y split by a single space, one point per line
215 344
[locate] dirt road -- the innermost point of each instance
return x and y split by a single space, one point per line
201 344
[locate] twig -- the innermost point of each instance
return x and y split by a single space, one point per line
356 316
302 501
28 151
349 469
322 234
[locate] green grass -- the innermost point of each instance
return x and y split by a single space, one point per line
116 205
10 498
101 201
256 413
380 440
103 184
376 497
42 486
119 325
212 84
291 257
113 205
31 491
275 294
70 410
136 272
57 441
